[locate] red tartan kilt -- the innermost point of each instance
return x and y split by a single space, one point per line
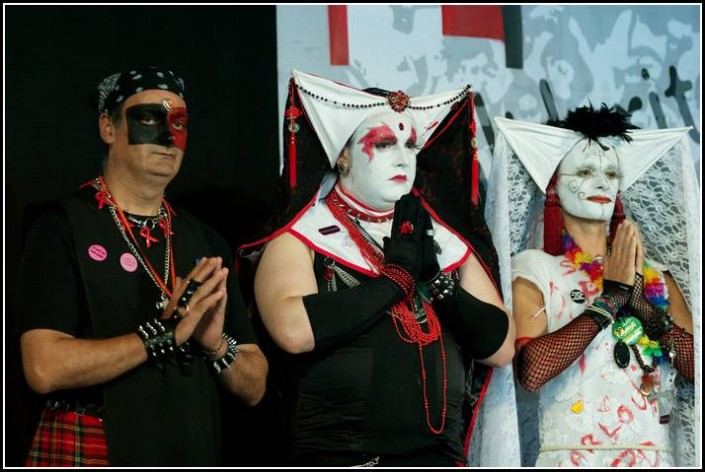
68 439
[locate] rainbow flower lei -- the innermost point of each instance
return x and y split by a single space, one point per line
582 261
654 282
655 289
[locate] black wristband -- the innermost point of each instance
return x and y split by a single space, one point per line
600 320
603 311
618 292
442 285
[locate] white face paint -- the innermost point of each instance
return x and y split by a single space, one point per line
382 157
588 181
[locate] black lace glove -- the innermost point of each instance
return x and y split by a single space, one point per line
655 322
404 249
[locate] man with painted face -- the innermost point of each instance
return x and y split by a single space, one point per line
600 328
129 355
373 300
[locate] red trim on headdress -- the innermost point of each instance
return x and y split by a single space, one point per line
437 133
471 248
552 220
475 171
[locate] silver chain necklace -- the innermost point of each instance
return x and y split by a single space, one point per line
163 213
164 301
148 221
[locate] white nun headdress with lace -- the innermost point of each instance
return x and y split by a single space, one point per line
542 147
659 192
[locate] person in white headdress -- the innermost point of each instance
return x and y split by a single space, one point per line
603 329
377 279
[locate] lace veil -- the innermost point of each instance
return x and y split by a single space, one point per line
659 192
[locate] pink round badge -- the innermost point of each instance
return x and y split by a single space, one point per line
128 262
97 252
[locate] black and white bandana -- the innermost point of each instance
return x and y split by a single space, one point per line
115 89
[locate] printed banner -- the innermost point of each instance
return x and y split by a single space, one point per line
526 62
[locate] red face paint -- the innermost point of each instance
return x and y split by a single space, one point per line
412 137
376 137
178 119
150 123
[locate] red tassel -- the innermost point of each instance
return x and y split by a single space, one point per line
292 112
617 218
475 177
292 160
552 220
475 182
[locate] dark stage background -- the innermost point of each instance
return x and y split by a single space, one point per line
54 57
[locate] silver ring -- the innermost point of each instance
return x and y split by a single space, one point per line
183 306
430 232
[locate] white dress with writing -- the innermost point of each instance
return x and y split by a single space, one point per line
593 413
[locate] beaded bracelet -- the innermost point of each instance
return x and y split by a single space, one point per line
227 359
612 305
442 285
213 352
400 277
601 313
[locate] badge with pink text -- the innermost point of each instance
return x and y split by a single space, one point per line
128 262
97 252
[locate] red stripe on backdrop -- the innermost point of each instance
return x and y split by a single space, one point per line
338 34
474 21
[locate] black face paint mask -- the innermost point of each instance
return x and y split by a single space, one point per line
148 124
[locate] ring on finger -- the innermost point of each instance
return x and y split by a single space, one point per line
188 308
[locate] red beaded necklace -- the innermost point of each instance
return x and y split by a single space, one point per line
403 312
336 199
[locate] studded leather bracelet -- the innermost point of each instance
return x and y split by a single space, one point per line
442 285
224 363
158 337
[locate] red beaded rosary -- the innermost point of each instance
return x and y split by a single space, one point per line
403 312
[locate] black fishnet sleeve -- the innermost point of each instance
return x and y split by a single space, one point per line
679 344
659 326
545 357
